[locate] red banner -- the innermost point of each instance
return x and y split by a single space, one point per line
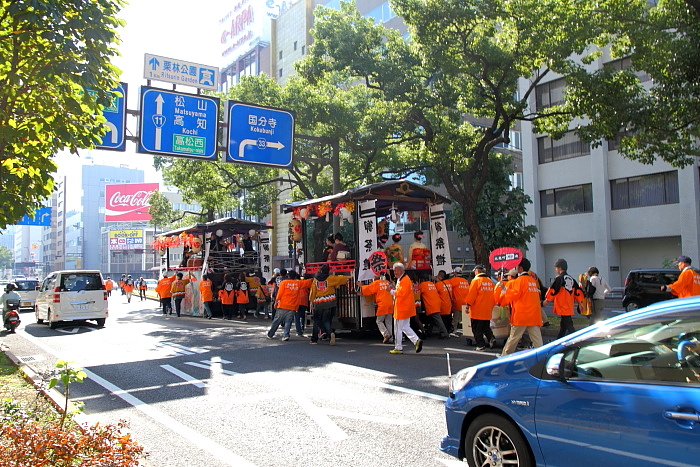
505 258
128 202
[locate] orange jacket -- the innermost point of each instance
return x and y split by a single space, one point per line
129 286
459 288
177 288
431 298
404 305
163 287
523 294
563 292
109 285
227 297
480 297
304 289
381 289
288 294
445 299
205 290
687 285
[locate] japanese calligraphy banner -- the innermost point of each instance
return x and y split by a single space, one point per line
440 244
366 238
265 254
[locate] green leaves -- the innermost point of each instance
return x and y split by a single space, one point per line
49 53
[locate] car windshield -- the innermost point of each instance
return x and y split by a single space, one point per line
81 281
24 286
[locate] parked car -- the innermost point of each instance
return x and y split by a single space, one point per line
643 287
76 295
151 284
28 289
625 391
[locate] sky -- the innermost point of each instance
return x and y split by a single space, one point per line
186 30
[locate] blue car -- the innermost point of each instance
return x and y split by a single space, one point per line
623 392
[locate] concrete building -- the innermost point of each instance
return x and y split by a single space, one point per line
594 207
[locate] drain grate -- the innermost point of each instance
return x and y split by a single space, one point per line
31 358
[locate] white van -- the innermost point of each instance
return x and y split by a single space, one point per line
72 296
28 289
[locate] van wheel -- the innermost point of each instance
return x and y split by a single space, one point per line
100 322
52 324
36 315
633 305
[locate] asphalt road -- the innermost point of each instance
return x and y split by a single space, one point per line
218 393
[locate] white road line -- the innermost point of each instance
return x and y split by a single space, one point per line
189 434
383 385
321 418
473 352
194 437
181 374
210 367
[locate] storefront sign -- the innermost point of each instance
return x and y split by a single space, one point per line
126 240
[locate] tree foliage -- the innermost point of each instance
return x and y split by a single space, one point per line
454 82
51 54
658 117
6 258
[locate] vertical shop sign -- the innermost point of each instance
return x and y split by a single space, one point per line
440 245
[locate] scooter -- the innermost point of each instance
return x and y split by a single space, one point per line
12 316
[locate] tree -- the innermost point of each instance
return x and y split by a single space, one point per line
660 121
455 80
55 77
6 258
336 124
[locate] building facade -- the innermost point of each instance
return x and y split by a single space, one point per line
594 207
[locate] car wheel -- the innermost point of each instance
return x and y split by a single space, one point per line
633 305
52 324
36 315
100 322
495 440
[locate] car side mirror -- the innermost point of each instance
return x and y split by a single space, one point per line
553 366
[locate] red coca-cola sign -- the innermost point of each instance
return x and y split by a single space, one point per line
128 202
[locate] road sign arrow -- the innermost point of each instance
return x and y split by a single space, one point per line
244 143
154 63
277 145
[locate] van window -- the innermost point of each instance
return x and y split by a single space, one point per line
81 281
26 286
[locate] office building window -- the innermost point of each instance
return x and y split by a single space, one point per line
568 147
280 55
549 94
296 43
567 200
623 64
280 72
644 190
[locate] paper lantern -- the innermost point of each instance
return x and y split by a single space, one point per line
196 244
304 213
295 227
219 233
252 232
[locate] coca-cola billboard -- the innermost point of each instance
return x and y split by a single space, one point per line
128 202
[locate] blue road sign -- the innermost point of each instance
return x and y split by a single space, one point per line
178 124
260 135
115 139
42 216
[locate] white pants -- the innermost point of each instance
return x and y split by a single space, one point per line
384 323
516 332
403 326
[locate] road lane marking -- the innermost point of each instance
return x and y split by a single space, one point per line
181 374
189 434
379 384
196 438
210 367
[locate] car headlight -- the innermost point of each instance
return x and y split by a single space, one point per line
461 378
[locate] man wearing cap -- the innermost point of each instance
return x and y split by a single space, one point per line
688 283
480 303
523 295
564 291
459 288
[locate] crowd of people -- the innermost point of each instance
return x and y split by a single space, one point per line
410 306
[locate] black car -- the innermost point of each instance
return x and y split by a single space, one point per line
643 287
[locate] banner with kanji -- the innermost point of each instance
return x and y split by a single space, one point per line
366 238
440 244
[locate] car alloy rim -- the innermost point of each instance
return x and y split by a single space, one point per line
493 447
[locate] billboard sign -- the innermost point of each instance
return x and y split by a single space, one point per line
128 202
126 240
246 24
